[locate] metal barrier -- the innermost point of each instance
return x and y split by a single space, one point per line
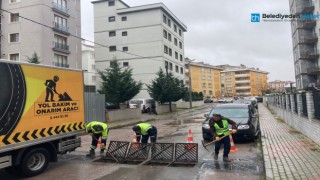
117 150
316 101
162 152
186 153
138 152
304 104
295 103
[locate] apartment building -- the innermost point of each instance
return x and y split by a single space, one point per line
205 78
305 33
89 67
279 86
243 81
144 38
51 41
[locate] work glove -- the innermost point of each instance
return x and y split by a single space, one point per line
218 138
234 131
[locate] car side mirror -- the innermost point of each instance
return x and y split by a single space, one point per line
206 115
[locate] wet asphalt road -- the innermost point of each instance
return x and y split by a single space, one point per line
247 162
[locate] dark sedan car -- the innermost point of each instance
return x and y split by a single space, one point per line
208 101
243 115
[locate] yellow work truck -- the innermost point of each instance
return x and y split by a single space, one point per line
41 114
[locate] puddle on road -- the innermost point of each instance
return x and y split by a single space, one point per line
242 165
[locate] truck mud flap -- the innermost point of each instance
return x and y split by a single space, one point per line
117 151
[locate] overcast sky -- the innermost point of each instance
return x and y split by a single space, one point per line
221 32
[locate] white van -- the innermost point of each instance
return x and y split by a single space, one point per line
144 104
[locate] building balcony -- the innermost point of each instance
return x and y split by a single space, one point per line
242 81
61 47
243 93
310 40
61 65
61 28
309 55
242 75
309 24
60 9
243 87
313 71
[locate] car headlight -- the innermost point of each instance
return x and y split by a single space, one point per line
243 127
206 126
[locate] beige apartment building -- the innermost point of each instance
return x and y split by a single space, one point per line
205 78
52 38
243 81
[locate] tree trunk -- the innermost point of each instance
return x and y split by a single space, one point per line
170 106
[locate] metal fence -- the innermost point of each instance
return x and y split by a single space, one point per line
289 102
295 103
316 101
304 104
94 107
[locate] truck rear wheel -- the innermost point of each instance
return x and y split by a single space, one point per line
34 162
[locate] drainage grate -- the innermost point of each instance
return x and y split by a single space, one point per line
162 152
117 150
138 152
186 153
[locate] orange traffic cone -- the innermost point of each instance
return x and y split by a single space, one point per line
134 138
233 148
189 138
99 142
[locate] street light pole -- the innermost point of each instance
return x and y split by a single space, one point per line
190 86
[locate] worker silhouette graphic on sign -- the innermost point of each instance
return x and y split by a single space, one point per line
51 87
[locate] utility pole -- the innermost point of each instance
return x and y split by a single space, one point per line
190 84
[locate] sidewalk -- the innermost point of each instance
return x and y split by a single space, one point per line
288 154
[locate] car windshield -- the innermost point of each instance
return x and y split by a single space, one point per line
231 112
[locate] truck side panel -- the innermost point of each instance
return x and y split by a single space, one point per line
39 103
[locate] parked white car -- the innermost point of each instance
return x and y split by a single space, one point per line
144 104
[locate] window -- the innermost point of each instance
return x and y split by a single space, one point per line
169 36
112 18
209 77
203 84
93 66
125 64
181 70
175 28
14 1
181 57
14 37
60 42
60 60
210 92
112 33
166 49
112 48
166 64
94 78
177 69
209 70
170 66
125 33
204 92
176 41
60 23
176 55
111 3
203 77
124 18
14 17
210 84
180 45
165 19
203 69
165 34
125 48
170 52
14 57
169 22
180 32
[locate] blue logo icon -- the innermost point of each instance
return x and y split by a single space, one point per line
255 17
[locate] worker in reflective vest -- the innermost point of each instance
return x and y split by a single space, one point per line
96 130
145 130
219 127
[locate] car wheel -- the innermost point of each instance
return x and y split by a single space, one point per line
34 162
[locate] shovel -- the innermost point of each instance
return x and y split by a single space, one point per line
205 145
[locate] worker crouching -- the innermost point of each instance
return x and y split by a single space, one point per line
145 130
97 130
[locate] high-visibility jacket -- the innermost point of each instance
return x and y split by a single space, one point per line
104 132
144 128
224 130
